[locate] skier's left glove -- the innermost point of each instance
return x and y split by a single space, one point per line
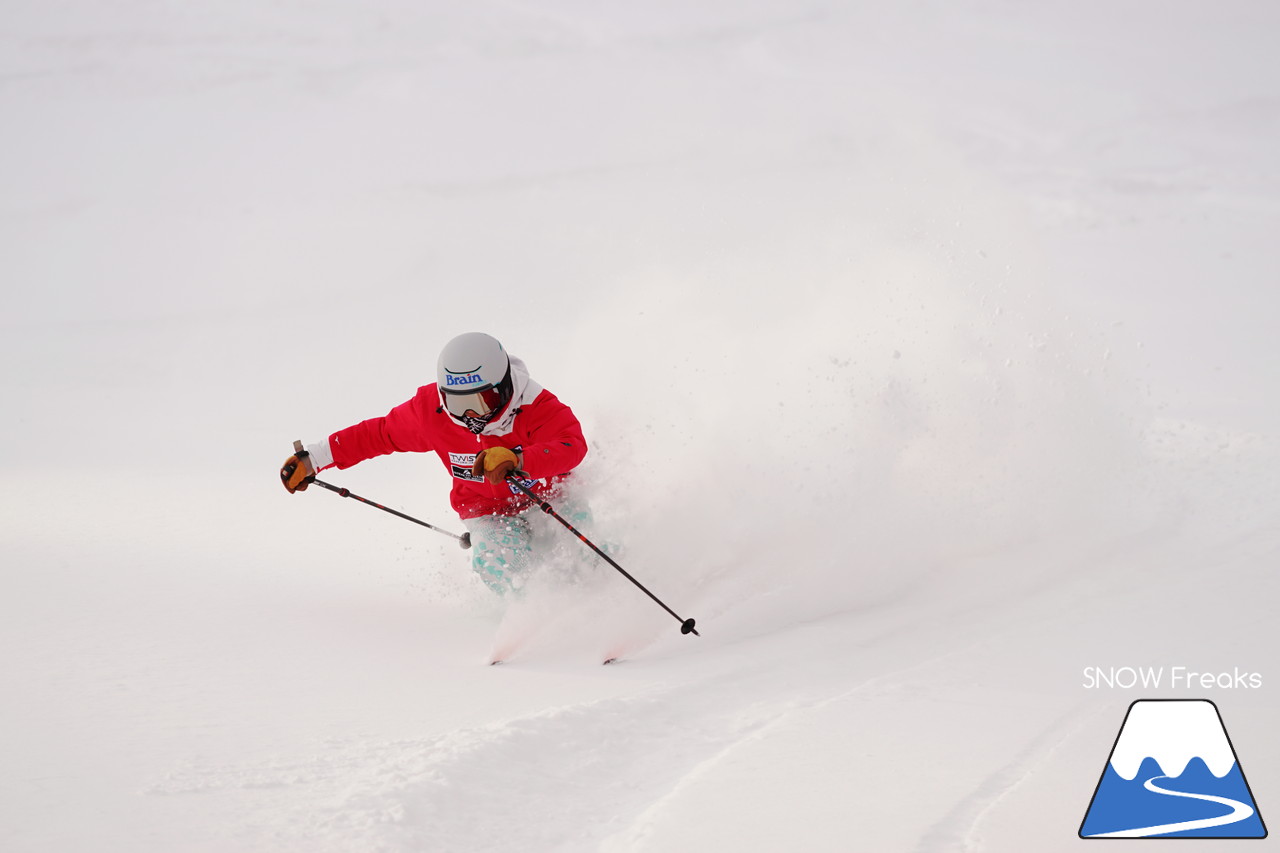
297 472
495 463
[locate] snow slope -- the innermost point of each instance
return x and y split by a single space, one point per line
926 352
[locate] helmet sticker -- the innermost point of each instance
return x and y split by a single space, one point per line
470 377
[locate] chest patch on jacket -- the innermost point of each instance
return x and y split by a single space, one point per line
460 465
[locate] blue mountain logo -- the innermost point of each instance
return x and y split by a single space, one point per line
1173 773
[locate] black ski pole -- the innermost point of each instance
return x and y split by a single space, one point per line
686 625
464 540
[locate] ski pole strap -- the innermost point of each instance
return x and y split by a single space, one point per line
686 625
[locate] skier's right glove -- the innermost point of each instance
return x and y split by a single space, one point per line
495 463
297 472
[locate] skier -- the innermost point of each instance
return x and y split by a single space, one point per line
486 419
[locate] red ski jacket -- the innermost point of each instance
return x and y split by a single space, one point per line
545 431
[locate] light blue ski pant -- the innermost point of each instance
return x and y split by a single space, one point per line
504 548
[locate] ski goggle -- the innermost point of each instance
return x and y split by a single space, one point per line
480 402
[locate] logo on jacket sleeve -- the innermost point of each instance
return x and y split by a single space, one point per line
1173 773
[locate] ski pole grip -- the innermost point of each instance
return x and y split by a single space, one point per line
297 447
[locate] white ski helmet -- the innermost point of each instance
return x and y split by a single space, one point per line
474 375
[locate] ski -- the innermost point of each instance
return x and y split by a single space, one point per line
502 653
